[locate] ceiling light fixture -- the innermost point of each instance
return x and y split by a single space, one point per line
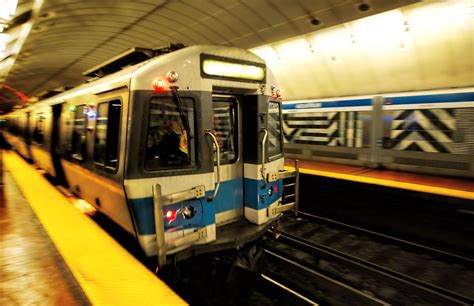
3 44
7 8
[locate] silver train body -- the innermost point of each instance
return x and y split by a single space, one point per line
430 132
140 145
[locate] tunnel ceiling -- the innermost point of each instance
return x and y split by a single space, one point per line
59 39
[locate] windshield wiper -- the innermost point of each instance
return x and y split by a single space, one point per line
179 105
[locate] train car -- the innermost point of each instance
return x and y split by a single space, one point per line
16 128
427 131
183 150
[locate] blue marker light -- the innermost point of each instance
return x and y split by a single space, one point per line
91 114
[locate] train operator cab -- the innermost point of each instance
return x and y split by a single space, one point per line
210 153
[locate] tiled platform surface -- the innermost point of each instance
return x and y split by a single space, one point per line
31 270
105 271
446 186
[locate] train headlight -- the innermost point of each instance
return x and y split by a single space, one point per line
189 212
159 85
172 76
278 93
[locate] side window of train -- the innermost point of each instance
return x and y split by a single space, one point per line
78 139
274 129
38 133
225 127
170 139
107 133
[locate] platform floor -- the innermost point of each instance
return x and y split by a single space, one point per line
32 272
52 254
445 186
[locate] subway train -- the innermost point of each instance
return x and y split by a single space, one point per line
181 147
425 131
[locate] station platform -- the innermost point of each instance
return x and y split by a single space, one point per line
52 254
437 185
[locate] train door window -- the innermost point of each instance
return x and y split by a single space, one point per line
171 127
225 127
38 133
274 129
107 132
79 134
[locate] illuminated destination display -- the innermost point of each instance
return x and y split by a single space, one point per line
217 68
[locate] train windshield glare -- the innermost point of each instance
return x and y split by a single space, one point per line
274 129
168 144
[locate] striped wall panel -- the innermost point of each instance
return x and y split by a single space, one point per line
431 130
464 136
341 129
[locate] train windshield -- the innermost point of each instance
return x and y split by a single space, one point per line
274 129
169 145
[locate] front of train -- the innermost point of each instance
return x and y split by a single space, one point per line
205 151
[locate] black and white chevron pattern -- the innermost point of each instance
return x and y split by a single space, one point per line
424 130
342 129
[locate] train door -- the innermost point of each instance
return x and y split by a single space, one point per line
55 143
228 132
262 157
247 129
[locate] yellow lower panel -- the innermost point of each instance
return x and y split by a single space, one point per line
107 273
388 183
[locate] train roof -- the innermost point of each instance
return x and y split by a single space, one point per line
124 76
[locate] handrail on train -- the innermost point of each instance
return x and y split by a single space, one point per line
264 144
218 176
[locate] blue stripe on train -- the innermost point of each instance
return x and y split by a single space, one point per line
257 197
440 98
145 217
230 196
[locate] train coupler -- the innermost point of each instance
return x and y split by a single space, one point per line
276 228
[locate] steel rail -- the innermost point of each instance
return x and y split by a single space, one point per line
422 288
447 256
287 289
329 284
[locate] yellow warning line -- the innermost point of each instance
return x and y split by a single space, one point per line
107 273
468 195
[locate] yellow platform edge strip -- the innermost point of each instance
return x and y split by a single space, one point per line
106 272
389 183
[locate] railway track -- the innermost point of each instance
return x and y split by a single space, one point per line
270 291
386 239
389 269
314 285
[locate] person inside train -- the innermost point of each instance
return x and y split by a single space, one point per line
169 143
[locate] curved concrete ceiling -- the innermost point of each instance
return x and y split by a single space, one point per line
68 37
